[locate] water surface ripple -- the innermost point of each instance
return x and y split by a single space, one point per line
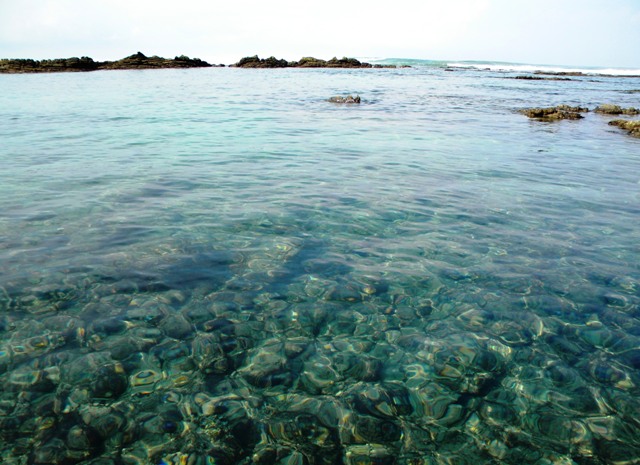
219 266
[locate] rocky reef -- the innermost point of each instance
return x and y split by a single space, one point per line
583 74
305 62
561 112
74 64
632 127
555 113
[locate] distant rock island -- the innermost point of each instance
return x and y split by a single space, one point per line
74 64
141 61
305 62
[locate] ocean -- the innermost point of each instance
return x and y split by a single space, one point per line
219 266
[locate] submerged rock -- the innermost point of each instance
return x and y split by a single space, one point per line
608 109
632 127
555 113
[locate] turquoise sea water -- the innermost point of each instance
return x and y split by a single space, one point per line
220 266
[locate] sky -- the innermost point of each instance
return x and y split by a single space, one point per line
560 32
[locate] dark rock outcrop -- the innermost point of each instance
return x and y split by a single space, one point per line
560 73
632 127
540 78
140 61
347 99
20 65
136 61
555 113
304 62
255 62
608 109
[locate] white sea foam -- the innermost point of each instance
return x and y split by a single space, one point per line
530 68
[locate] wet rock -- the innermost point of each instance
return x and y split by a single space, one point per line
609 109
555 113
346 99
632 127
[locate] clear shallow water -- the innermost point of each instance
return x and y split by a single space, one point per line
219 266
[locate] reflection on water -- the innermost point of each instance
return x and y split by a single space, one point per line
215 274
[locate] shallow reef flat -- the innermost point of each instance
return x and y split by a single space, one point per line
281 354
566 112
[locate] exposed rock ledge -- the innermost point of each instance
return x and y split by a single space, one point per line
555 113
567 112
348 99
609 109
632 127
305 62
136 61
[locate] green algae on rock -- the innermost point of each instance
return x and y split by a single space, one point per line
609 109
632 127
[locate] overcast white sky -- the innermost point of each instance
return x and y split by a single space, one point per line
570 32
